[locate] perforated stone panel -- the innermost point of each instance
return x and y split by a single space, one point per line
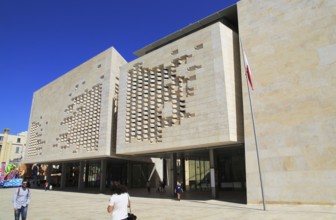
82 122
184 95
72 116
35 140
156 98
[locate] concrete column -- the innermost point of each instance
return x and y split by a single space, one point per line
182 172
48 174
129 174
172 174
102 175
87 166
187 174
212 174
81 175
63 175
165 170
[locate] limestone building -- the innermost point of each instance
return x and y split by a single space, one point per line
291 47
185 102
73 123
12 149
72 117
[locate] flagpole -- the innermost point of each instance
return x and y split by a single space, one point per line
254 131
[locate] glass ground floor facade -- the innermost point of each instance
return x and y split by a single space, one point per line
230 173
213 172
194 169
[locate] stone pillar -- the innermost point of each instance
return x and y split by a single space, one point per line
5 150
63 175
102 175
212 174
81 175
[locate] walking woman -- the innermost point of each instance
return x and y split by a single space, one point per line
119 202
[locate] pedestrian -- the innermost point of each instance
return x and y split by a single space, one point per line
21 200
178 191
119 202
46 185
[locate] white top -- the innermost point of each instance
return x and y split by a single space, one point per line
21 198
119 204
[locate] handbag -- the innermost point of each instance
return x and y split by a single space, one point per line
131 216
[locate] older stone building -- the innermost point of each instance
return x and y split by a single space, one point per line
12 147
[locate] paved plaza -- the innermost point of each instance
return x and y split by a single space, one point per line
60 205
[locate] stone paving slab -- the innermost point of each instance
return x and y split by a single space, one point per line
59 205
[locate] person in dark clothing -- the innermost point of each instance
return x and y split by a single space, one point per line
178 191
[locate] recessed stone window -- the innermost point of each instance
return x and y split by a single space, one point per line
174 52
199 46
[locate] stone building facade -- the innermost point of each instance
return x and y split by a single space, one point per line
185 102
187 99
12 147
71 117
73 124
291 47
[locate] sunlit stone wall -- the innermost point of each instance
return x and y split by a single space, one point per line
291 47
184 95
71 117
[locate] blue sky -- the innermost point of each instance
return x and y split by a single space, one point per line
40 40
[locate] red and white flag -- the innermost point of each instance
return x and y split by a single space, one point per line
247 69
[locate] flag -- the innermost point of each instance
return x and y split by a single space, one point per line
247 69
